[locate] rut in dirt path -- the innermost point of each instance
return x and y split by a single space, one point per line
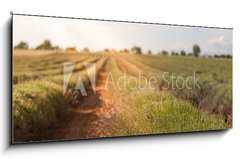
89 118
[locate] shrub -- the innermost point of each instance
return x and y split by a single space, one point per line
212 96
136 50
21 45
196 50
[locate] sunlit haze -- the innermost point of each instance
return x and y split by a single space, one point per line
98 35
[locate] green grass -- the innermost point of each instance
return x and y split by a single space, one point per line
35 73
38 105
215 80
154 112
186 65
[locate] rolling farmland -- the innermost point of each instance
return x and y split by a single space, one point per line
41 111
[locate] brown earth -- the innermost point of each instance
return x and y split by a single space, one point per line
90 118
19 52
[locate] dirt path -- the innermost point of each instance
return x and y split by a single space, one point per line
89 118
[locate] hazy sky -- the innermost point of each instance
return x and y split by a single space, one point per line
98 35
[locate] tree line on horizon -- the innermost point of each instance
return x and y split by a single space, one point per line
45 45
196 50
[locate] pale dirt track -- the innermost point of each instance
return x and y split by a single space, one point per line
88 119
30 53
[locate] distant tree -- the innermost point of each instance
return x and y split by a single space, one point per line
125 50
190 54
21 45
182 53
173 53
46 45
106 50
136 50
163 53
229 56
223 56
149 52
85 49
196 50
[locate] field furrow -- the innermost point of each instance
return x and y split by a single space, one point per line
124 103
